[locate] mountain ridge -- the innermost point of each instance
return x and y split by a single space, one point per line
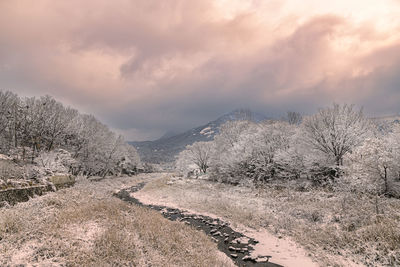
164 149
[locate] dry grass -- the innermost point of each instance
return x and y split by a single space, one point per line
10 170
86 226
329 225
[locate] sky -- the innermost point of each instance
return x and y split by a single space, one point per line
148 67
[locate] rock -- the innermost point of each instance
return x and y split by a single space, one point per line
247 258
217 234
234 255
242 240
232 248
263 258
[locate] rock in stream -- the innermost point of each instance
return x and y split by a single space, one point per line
234 244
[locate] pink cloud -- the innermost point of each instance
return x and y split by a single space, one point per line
123 58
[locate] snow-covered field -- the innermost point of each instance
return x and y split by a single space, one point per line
86 225
338 229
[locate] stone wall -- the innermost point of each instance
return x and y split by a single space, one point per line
24 193
15 195
62 181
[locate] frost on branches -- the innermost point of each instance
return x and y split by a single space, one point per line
335 131
336 147
47 135
195 157
375 164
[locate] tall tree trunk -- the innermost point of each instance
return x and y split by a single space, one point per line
386 179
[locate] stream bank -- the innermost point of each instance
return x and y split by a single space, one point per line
234 244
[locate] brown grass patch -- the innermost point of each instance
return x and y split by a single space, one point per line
86 226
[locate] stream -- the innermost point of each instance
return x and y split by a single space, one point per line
234 244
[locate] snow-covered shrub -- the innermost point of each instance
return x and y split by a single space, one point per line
269 140
247 150
35 172
21 153
184 165
130 161
56 161
226 163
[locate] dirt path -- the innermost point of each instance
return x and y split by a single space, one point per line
234 244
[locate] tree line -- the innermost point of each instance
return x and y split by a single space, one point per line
336 147
32 127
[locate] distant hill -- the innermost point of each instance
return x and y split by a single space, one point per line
385 123
169 145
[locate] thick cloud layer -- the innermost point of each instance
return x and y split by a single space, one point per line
146 67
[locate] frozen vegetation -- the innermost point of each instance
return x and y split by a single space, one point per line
337 148
86 226
322 189
329 180
40 137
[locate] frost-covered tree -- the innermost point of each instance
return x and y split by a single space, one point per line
372 164
265 143
335 131
199 153
9 104
294 117
129 159
248 150
292 160
394 140
184 164
29 127
228 153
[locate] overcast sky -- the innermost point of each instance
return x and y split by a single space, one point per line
145 67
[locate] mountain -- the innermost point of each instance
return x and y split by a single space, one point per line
385 123
169 145
168 135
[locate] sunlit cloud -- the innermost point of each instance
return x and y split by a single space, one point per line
145 67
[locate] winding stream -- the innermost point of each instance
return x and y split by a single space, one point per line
234 244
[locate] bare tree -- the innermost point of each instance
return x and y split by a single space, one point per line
199 154
372 164
336 131
34 125
8 105
294 118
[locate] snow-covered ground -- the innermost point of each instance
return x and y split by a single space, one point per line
87 226
314 227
